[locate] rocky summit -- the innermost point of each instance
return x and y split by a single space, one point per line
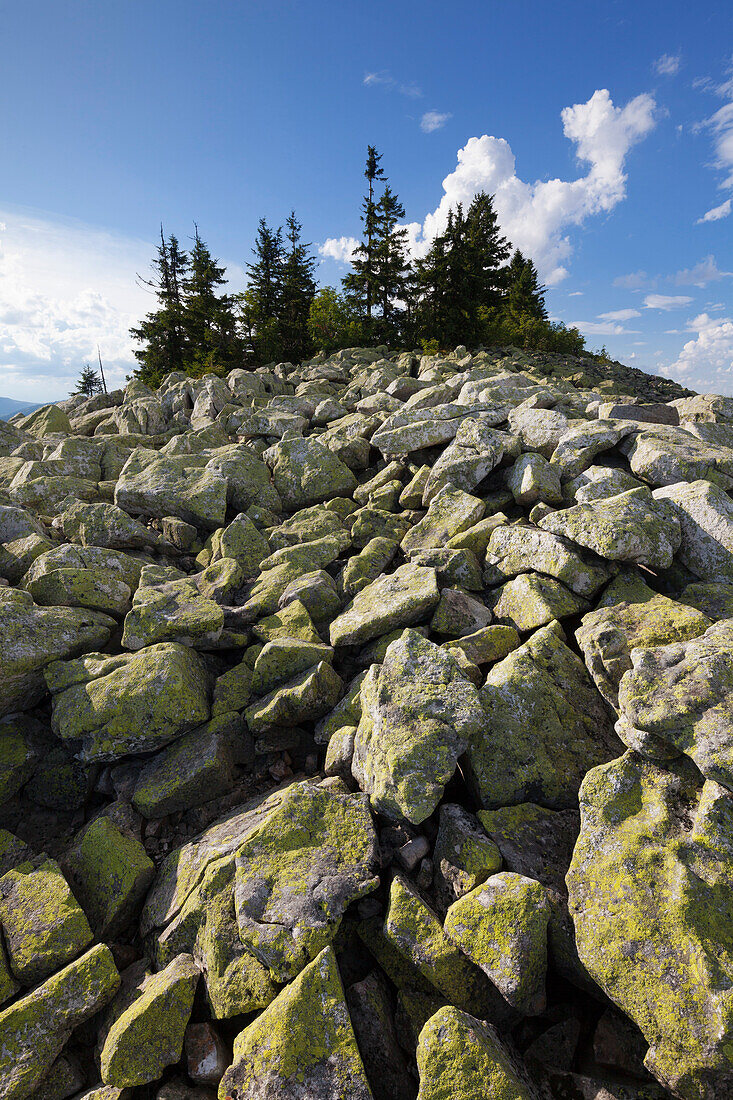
366 731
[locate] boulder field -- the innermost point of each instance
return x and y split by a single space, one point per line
366 733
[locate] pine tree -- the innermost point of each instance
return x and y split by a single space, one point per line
261 303
360 284
162 331
391 266
208 318
297 293
524 296
88 382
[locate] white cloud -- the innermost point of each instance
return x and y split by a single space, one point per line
620 315
720 124
434 120
707 271
575 294
535 216
706 362
716 213
635 280
666 301
339 248
667 64
64 288
600 328
384 78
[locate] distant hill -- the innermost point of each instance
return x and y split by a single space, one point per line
9 407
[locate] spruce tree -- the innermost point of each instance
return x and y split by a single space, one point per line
208 317
88 382
360 284
391 266
162 331
261 303
297 292
524 296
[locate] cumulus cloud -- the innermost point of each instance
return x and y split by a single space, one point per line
434 120
666 301
619 315
706 362
339 248
707 271
667 65
535 216
716 213
64 288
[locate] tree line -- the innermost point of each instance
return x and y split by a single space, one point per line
470 288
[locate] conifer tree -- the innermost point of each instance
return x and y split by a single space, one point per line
88 382
208 317
524 296
261 303
298 288
361 284
391 266
162 331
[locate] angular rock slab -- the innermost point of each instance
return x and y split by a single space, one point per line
296 875
400 599
264 888
148 1035
514 550
419 714
651 896
31 637
705 515
462 1058
501 926
608 634
681 696
546 725
302 1045
34 1030
133 703
305 472
630 527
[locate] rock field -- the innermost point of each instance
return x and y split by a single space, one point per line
366 731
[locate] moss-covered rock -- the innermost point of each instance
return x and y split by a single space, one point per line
501 925
20 750
172 612
148 1035
463 857
630 527
608 635
31 637
283 658
299 871
105 525
43 923
306 696
462 1058
301 1045
292 621
678 698
133 703
450 512
419 714
34 1029
545 726
414 932
705 514
111 873
400 599
156 485
531 600
305 472
484 646
197 768
651 895
519 549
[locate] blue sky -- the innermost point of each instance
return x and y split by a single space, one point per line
606 132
